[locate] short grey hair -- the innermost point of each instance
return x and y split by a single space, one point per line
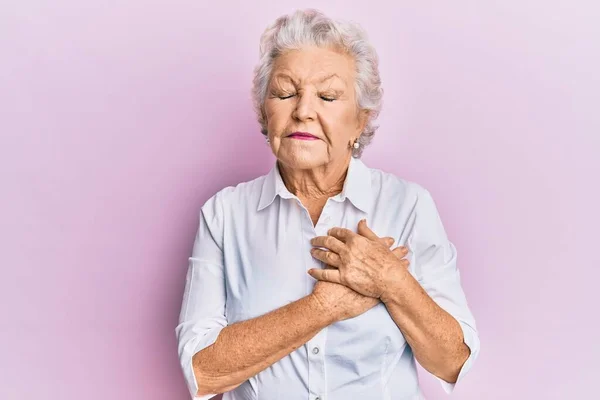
312 28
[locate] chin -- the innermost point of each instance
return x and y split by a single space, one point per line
302 160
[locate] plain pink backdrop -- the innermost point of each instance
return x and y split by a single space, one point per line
119 119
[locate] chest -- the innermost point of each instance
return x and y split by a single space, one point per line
267 253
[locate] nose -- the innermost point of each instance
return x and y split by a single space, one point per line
304 110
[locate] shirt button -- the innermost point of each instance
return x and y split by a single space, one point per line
315 351
317 398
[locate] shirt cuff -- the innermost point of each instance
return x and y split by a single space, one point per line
472 341
188 372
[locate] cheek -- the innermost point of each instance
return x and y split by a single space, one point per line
277 114
339 124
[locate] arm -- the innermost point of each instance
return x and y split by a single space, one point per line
245 348
434 336
216 357
431 308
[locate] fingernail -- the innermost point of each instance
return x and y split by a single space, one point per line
405 249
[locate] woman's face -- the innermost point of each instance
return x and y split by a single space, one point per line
312 91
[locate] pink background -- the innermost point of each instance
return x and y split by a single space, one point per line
119 119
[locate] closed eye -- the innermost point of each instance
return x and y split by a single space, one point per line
326 98
286 97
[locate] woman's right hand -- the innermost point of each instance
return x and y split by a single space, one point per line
341 302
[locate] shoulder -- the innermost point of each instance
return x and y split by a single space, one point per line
235 197
392 188
413 204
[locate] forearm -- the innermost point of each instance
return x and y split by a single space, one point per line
245 348
434 335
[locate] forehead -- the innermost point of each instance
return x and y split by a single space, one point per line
314 65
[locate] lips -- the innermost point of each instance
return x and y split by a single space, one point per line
302 135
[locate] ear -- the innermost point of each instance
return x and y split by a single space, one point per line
263 114
363 118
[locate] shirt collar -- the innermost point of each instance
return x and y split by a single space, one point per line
357 187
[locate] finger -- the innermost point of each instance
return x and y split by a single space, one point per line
364 230
400 252
328 257
342 234
328 242
388 241
328 275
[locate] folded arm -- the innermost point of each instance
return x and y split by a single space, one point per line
245 348
216 357
428 303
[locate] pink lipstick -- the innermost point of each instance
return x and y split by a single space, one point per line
302 136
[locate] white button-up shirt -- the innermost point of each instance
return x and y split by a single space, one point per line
251 255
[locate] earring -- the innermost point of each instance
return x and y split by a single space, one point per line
356 144
268 140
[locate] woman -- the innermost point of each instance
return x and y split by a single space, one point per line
292 290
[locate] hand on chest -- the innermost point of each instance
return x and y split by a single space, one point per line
268 267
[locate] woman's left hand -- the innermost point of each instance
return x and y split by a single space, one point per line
361 260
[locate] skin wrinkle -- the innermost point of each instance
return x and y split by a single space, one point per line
315 170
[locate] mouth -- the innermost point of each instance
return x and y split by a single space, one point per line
302 136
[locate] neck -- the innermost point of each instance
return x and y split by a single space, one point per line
315 183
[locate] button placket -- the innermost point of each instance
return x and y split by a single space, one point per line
315 347
325 218
316 366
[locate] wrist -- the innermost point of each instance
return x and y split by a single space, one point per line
322 309
394 286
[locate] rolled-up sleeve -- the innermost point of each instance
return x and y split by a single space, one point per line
435 267
202 315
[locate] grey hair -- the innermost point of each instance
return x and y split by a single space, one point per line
312 28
